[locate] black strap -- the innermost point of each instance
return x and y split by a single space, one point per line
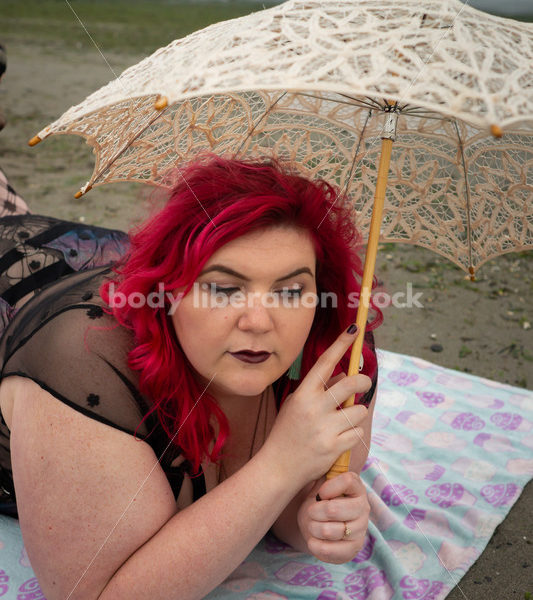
198 485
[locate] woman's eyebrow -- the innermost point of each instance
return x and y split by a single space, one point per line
229 271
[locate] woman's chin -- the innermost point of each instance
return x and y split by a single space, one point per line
249 380
253 384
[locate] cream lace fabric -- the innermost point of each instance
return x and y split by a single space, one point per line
309 81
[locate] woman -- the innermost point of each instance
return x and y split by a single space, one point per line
165 415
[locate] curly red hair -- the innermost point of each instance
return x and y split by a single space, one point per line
215 201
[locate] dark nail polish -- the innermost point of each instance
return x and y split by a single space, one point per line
318 498
352 329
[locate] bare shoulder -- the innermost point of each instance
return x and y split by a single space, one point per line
88 495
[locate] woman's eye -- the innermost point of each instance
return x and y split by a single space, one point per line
291 292
228 291
216 289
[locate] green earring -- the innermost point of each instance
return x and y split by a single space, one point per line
294 370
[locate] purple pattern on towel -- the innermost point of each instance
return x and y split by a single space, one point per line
445 494
274 545
359 585
398 494
403 377
295 573
431 399
499 494
509 421
420 589
468 422
366 551
328 595
4 578
30 590
415 515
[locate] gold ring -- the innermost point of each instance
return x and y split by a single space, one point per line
347 531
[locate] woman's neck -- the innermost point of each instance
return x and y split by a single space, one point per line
237 407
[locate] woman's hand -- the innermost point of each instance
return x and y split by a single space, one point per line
334 527
309 433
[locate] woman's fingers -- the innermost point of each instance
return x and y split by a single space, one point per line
347 386
338 510
345 484
334 527
341 548
343 506
321 371
333 380
327 531
309 432
340 387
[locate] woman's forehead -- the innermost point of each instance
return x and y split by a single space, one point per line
287 237
281 247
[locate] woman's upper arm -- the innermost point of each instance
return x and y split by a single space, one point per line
88 495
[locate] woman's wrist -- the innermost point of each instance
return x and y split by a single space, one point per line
283 465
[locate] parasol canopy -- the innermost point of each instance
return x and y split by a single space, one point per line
309 81
329 86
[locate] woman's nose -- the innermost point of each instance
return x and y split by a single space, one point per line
255 314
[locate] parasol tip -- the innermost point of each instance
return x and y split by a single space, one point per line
34 140
496 131
472 274
161 103
80 193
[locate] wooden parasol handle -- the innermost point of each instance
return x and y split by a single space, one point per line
343 462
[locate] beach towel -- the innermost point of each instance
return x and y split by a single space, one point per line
450 454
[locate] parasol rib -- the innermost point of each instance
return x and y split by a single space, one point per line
256 124
467 193
356 154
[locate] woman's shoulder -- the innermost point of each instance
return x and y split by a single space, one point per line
66 341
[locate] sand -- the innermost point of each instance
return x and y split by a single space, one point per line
481 328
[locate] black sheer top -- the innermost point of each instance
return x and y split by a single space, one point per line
64 341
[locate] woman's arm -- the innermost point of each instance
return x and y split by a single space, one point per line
201 545
90 535
97 513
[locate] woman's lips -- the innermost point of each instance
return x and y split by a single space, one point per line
251 357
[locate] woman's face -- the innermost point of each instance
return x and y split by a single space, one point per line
257 293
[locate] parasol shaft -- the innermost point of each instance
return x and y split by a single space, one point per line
343 462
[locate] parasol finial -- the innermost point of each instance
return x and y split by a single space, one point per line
82 191
161 103
496 131
34 140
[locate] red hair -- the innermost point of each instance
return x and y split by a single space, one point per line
215 201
